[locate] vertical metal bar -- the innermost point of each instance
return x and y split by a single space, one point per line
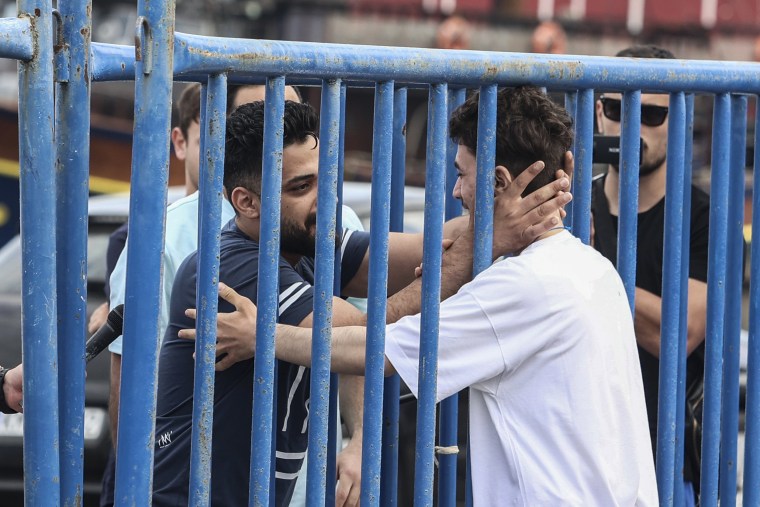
685 247
382 163
485 159
38 279
584 148
319 410
483 245
209 215
73 144
267 295
571 104
629 191
453 206
435 186
751 483
150 170
447 431
734 277
332 428
716 293
392 387
666 413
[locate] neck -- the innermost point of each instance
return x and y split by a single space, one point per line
551 232
651 189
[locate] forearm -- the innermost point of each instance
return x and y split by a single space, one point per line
648 318
352 403
113 398
293 344
456 270
647 321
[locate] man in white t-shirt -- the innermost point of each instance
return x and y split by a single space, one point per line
544 339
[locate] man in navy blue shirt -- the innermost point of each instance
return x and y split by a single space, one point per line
239 251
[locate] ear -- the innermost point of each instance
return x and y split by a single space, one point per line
180 143
599 115
247 203
503 179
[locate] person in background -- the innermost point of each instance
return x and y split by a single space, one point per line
649 252
549 37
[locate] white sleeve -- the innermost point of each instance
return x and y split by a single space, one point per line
490 326
468 351
117 283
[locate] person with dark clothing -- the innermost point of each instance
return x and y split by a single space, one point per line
233 391
649 256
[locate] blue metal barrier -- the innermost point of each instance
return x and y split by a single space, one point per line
53 327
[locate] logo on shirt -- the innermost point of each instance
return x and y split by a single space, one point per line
165 440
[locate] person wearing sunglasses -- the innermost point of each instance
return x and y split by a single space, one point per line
649 254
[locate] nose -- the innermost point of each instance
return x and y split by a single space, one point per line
457 192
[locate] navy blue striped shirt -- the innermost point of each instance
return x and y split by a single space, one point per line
233 388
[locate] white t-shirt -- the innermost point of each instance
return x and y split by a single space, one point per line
557 415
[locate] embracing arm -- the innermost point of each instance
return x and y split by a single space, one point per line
648 318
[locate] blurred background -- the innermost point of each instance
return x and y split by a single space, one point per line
696 29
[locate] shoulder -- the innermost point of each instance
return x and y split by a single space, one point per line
184 204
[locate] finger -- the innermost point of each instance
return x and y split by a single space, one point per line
569 162
544 222
187 334
228 294
418 271
354 496
341 494
522 181
548 210
224 363
190 313
546 193
446 243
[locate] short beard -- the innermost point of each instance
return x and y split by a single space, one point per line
646 168
296 239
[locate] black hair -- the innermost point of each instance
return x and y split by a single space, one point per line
646 51
245 139
529 127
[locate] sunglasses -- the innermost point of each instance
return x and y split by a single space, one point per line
651 116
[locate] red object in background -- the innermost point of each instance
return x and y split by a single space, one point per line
445 7
601 11
738 14
672 14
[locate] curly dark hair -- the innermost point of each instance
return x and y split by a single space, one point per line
245 139
529 127
646 51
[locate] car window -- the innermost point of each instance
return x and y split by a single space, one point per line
10 260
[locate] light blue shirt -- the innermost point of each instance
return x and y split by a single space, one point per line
181 241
